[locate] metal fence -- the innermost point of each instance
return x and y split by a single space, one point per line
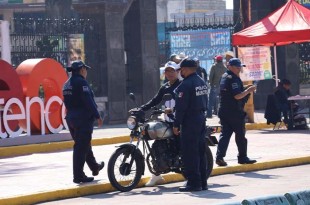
204 22
197 35
46 38
42 37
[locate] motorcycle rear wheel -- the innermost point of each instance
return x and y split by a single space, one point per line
210 161
121 175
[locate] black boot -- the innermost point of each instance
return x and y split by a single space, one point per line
100 167
189 189
83 180
246 160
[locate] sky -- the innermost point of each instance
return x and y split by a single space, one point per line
229 4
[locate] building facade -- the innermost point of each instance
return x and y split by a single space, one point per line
118 39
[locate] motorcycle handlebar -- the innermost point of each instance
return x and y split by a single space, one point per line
157 112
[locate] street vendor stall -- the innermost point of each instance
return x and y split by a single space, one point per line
289 24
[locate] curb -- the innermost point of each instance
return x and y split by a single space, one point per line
60 146
257 126
169 178
55 146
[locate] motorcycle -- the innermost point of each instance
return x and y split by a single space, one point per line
127 164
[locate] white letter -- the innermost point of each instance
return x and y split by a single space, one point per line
28 104
47 120
2 134
7 117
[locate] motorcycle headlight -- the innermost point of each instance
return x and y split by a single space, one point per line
131 122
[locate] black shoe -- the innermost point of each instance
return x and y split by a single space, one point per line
204 188
189 189
246 161
83 180
100 167
221 162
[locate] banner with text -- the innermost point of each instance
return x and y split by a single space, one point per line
257 61
203 44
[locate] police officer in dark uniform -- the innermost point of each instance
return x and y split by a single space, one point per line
191 98
233 98
81 114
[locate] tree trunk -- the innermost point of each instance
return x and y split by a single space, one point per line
245 12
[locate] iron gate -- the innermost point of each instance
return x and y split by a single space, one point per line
304 57
47 38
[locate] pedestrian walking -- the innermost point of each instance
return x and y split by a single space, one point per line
216 72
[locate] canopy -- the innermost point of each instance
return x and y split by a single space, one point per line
289 24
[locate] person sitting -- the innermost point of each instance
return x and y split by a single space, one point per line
272 114
282 92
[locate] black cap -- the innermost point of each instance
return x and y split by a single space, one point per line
76 65
187 62
235 62
285 82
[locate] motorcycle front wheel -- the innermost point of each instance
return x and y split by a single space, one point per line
123 175
210 161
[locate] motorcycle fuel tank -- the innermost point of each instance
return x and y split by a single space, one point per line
159 130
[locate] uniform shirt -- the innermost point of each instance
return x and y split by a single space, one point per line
79 99
191 99
230 86
167 88
216 72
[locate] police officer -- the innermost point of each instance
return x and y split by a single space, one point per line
191 97
81 114
233 98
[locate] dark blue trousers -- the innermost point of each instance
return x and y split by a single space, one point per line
82 151
193 150
232 124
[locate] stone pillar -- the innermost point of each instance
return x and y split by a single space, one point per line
288 65
150 51
141 46
127 59
115 62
